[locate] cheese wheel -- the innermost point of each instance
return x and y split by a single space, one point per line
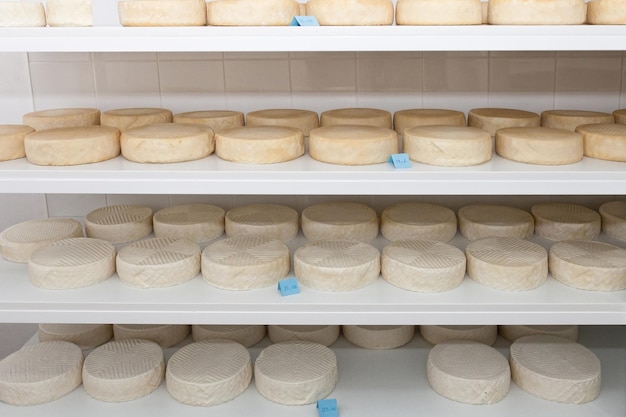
404 119
304 120
162 13
86 336
245 335
336 265
245 262
260 144
537 12
209 372
251 13
22 14
484 8
571 119
418 220
217 120
273 221
356 116
507 263
351 12
606 12
295 373
19 241
196 222
165 335
613 216
539 145
555 369
120 223
438 12
604 141
468 372
478 221
563 221
69 12
340 220
58 118
12 140
514 332
378 337
444 334
423 265
620 116
124 119
123 370
324 335
41 373
493 119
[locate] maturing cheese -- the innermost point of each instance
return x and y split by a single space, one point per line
442 334
123 370
69 12
492 119
268 220
404 119
484 8
356 116
296 373
537 12
243 334
120 223
378 337
604 141
620 116
12 140
351 12
162 12
217 120
478 221
606 12
86 336
251 13
613 216
563 221
514 332
196 222
41 373
56 118
209 372
340 220
555 369
260 144
571 119
124 119
165 335
324 335
353 144
438 12
418 220
22 14
304 120
539 145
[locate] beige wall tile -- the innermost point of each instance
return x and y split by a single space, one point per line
329 73
16 97
389 74
59 84
256 76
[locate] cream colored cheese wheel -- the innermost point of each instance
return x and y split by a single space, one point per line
563 221
41 373
123 370
22 14
57 118
620 116
251 13
72 263
353 144
86 336
69 12
539 145
12 140
418 220
468 372
340 220
438 12
296 373
162 13
120 223
404 119
378 337
455 146
158 262
19 241
165 335
571 119
514 332
613 216
217 120
537 12
423 265
273 221
604 141
124 119
260 144
324 335
356 116
209 372
491 119
243 334
245 262
304 120
606 12
435 335
196 222
555 369
351 12
484 8
478 221
337 265
507 263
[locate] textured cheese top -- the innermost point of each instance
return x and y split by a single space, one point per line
125 119
379 337
247 335
514 332
571 119
491 119
269 220
537 12
166 335
260 144
425 254
324 335
563 221
418 220
69 12
55 118
508 252
351 12
353 144
245 251
217 120
620 116
22 13
251 13
196 222
438 12
487 334
613 216
340 220
304 120
539 145
162 13
606 12
356 116
491 220
119 223
404 119
12 140
604 141
86 336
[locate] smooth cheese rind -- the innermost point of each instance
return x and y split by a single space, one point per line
620 116
305 120
324 335
604 141
260 144
537 12
539 145
196 222
404 119
12 141
479 221
564 221
438 12
217 120
119 223
22 14
492 119
251 13
357 117
418 220
606 12
86 336
435 335
273 221
340 220
165 335
247 335
162 13
124 119
69 12
514 332
57 118
351 12
613 215
571 119
378 337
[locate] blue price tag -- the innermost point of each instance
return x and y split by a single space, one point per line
400 160
328 408
304 21
288 286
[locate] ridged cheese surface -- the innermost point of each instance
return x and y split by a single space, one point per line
537 12
12 140
69 12
119 223
60 118
604 141
491 119
434 334
162 13
490 220
356 117
196 222
247 335
564 221
438 12
268 220
86 336
22 14
405 119
351 13
418 220
514 332
613 216
255 13
448 145
571 119
378 337
324 335
352 144
305 120
124 119
340 220
539 145
217 120
260 144
165 335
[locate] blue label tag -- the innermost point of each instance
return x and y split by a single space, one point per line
400 160
288 286
304 21
328 408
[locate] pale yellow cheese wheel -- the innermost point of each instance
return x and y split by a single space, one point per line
196 222
86 336
478 221
614 219
268 220
351 12
247 335
484 8
125 119
491 119
436 334
54 118
251 13
604 141
537 12
340 220
12 141
606 12
413 219
539 145
564 221
324 335
69 12
438 12
404 119
378 337
166 335
119 223
304 120
571 119
514 332
260 144
356 116
217 120
22 14
353 144
162 13
620 116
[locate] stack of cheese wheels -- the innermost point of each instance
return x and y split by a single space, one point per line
542 365
423 265
251 13
19 241
468 372
571 119
217 120
324 335
340 220
72 263
539 145
72 145
479 221
12 141
606 12
69 12
492 119
273 221
22 14
260 144
418 220
404 119
593 266
196 222
353 144
86 336
514 332
435 335
351 13
296 373
120 223
58 118
455 146
356 116
123 370
620 116
165 335
337 265
247 335
162 12
537 12
378 337
209 372
438 12
564 221
507 263
613 216
304 120
124 119
245 262
604 141
41 373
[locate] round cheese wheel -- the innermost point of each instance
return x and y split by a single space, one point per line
120 223
423 265
620 116
268 220
86 336
606 12
478 221
405 119
12 140
493 119
352 144
19 241
123 370
539 145
613 216
252 13
324 335
555 369
196 222
438 12
69 12
356 116
537 12
124 119
72 263
507 263
571 119
295 373
165 335
304 120
340 220
563 221
351 13
41 373
378 337
217 120
443 334
22 14
260 144
468 372
72 145
245 262
455 146
418 220
514 332
60 118
162 13
604 141
209 372
336 265
245 335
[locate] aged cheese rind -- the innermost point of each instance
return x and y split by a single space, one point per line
478 221
268 220
356 117
442 334
120 223
12 141
613 216
353 144
86 336
571 119
165 335
196 222
162 13
324 335
124 119
351 12
539 145
378 337
305 120
260 144
340 220
438 12
492 119
22 14
418 220
243 334
404 119
58 118
514 332
604 141
251 13
537 12
69 12
564 221
606 12
217 120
